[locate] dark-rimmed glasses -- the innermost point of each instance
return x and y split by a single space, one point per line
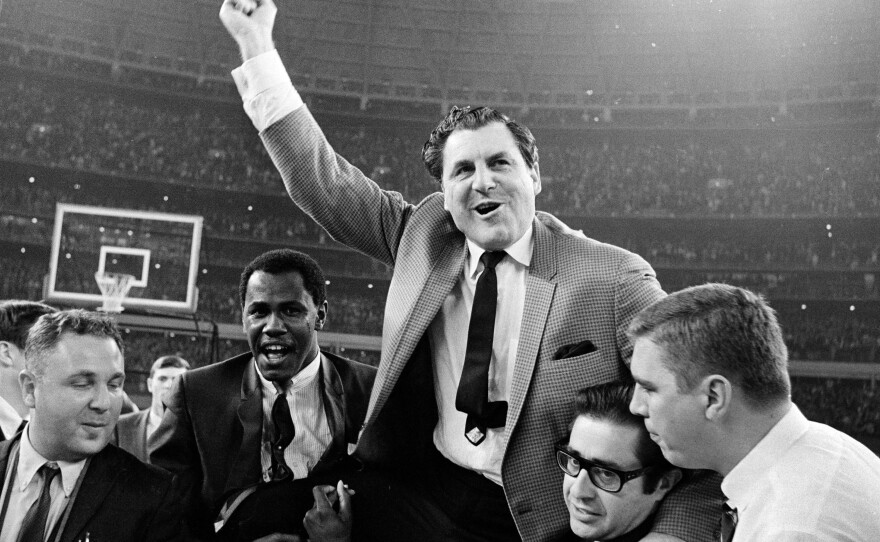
605 478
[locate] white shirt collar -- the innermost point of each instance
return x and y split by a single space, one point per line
740 481
521 251
30 461
299 380
9 418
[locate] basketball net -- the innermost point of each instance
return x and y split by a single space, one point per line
114 287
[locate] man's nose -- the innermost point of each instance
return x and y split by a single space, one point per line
100 398
637 404
274 324
484 178
583 487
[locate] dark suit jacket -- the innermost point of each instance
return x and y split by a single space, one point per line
131 434
120 499
211 433
577 289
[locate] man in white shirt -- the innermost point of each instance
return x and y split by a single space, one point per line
712 380
134 429
473 382
16 318
250 436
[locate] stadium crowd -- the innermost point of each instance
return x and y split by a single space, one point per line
694 174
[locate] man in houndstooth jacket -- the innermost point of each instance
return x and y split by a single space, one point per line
564 303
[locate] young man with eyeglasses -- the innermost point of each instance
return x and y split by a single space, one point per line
615 476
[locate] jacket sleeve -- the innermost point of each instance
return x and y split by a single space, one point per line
167 524
173 447
337 195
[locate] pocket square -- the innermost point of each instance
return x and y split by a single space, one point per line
572 350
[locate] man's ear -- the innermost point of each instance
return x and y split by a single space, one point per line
535 174
321 316
668 481
717 394
28 383
6 354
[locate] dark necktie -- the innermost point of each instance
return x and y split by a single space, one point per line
33 528
282 435
473 388
728 522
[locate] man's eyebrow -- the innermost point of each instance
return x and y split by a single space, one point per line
599 462
497 155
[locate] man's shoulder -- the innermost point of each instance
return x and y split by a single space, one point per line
345 365
132 419
150 477
232 366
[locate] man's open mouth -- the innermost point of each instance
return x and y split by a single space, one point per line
275 350
486 208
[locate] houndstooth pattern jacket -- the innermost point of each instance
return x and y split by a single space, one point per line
577 289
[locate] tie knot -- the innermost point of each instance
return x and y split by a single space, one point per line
281 387
49 471
491 259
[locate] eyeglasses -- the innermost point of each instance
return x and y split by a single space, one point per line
605 478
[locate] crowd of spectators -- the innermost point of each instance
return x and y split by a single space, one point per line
755 173
852 406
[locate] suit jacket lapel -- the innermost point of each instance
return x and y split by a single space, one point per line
143 422
334 408
540 286
99 476
422 300
247 466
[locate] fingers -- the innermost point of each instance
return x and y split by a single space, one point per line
325 497
344 495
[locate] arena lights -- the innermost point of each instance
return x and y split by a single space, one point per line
23 250
34 220
205 271
327 282
804 307
250 207
369 286
158 266
31 180
164 198
852 308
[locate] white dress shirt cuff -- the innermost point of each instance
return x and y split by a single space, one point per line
266 89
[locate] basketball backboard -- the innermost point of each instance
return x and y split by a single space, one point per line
161 251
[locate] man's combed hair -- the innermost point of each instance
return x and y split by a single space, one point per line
719 329
465 118
17 317
172 361
285 260
610 402
46 333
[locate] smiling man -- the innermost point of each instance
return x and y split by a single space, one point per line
64 481
276 420
615 476
495 316
711 369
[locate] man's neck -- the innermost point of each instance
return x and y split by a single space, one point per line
748 430
11 393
